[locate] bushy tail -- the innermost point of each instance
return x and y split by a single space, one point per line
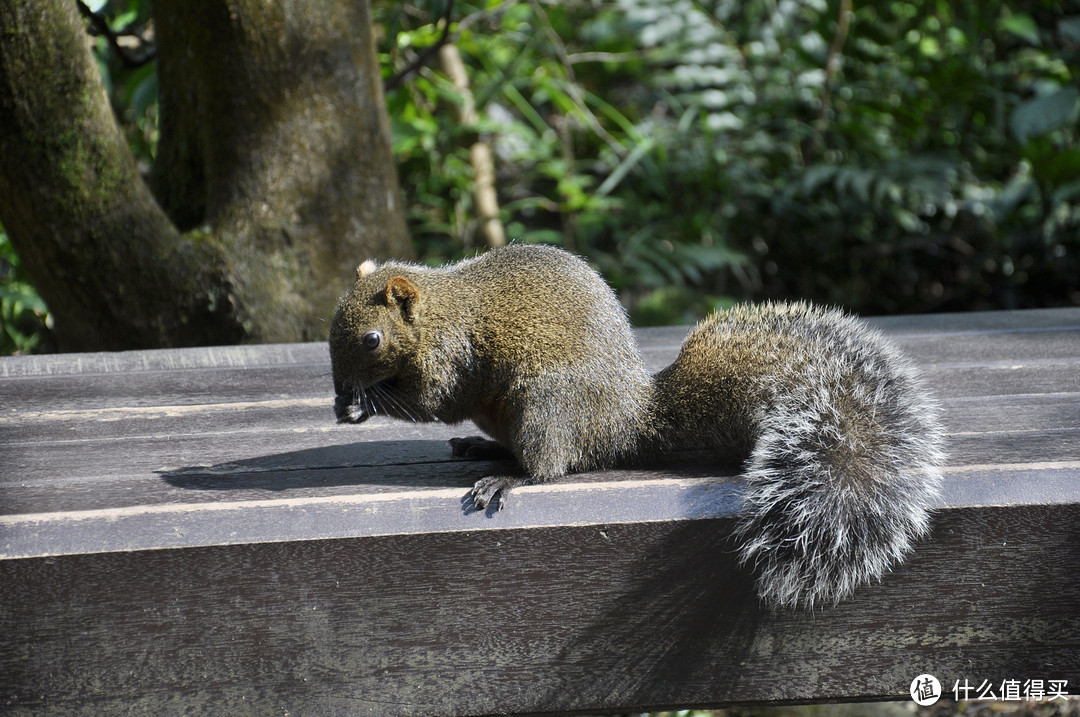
839 440
842 476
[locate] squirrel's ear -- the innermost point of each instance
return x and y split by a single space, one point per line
364 269
405 294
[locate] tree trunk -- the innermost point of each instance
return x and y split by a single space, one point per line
274 158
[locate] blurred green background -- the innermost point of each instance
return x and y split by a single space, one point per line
884 156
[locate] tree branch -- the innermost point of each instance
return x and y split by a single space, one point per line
101 27
495 11
426 53
832 60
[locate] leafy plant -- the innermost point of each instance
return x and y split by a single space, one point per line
23 315
887 156
901 158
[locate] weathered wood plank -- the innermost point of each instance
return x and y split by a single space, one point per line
188 531
978 435
1046 409
151 389
176 470
158 378
949 325
309 505
577 618
287 405
296 423
170 360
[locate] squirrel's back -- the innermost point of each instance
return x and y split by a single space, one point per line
537 305
840 443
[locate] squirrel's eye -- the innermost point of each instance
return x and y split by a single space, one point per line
371 340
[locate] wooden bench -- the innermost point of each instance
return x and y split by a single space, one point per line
189 531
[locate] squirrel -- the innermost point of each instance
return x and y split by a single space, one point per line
839 441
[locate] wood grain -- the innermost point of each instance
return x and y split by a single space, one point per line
574 618
189 531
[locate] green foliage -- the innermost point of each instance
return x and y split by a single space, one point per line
132 90
923 155
575 169
23 315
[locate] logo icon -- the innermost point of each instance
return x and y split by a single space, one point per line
925 690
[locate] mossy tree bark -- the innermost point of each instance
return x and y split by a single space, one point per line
273 180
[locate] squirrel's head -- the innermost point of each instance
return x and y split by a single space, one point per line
373 335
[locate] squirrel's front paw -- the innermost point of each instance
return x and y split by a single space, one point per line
486 490
348 410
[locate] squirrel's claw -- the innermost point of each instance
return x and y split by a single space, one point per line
486 490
